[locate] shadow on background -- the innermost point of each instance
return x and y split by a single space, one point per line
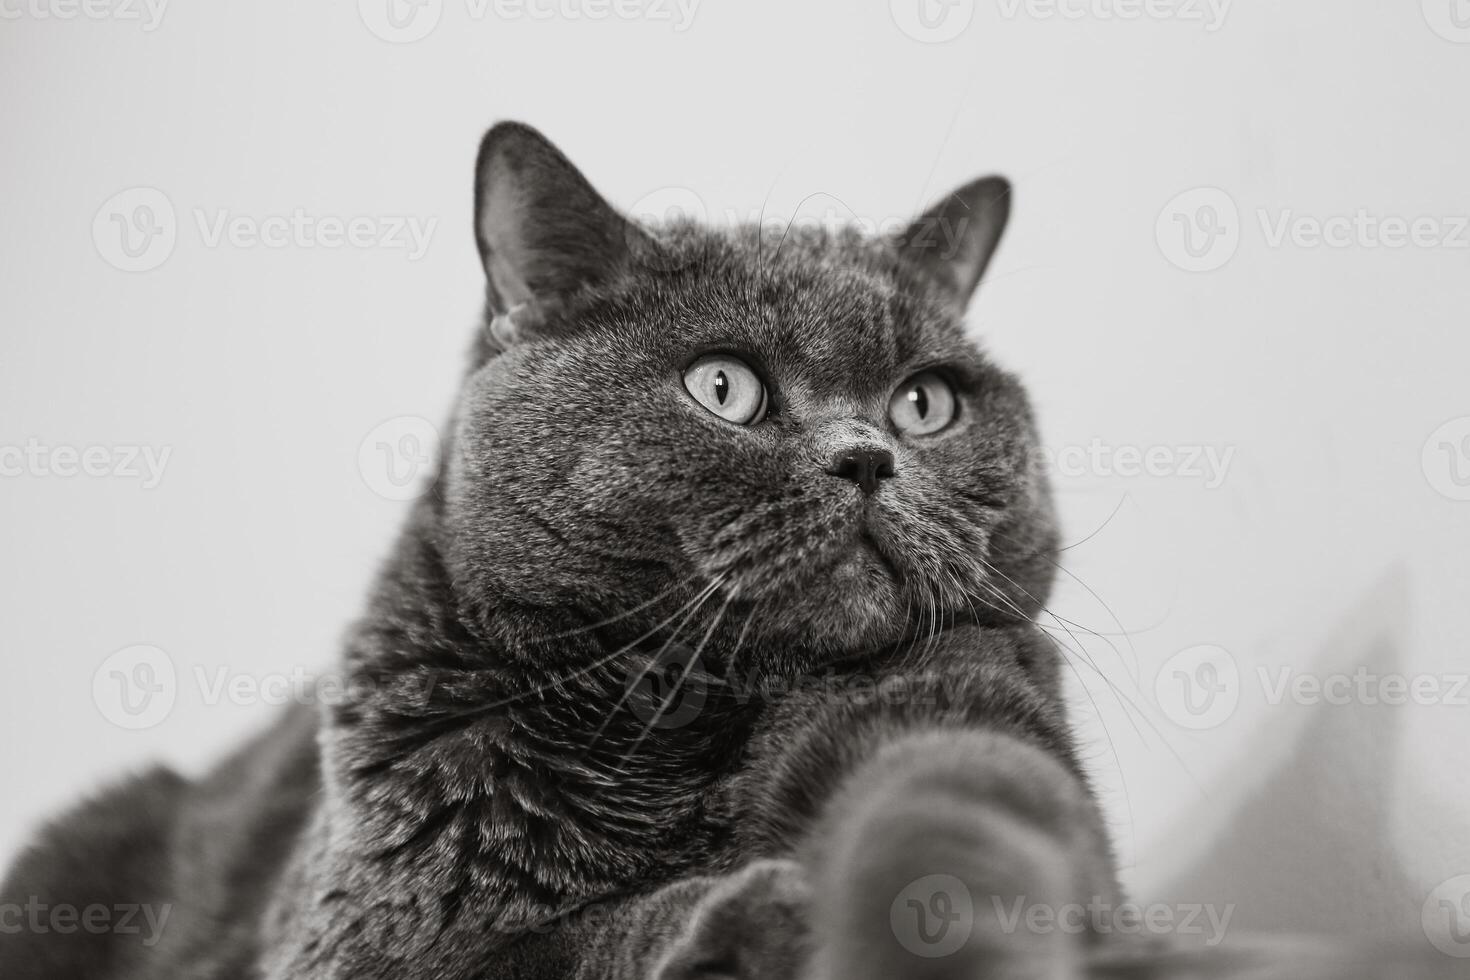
1309 845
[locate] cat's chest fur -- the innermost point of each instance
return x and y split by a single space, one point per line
460 773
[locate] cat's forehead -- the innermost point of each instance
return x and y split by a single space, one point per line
833 307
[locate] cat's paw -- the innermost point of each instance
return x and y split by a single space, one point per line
936 860
751 926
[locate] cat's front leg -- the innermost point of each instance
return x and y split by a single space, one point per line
750 924
941 812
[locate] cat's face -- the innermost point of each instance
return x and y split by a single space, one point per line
794 442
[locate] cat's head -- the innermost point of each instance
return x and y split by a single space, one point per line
789 423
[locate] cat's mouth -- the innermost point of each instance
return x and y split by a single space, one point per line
837 575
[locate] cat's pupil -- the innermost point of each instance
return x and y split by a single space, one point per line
722 387
920 398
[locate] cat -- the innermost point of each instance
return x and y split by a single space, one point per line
709 653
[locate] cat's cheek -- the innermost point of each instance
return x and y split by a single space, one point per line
606 481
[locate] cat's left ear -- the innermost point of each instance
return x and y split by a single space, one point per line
956 238
542 230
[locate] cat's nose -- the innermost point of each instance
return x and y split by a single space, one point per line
865 467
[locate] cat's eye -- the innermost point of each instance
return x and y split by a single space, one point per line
923 404
728 387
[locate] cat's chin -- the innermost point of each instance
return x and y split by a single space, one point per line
858 603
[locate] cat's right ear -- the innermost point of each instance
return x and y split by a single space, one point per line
955 240
542 230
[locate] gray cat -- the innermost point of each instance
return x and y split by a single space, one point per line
709 653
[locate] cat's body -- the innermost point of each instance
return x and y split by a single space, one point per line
839 595
240 869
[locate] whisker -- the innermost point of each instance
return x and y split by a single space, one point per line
618 617
475 711
683 676
699 601
1118 694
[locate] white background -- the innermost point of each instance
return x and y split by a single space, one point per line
1332 543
